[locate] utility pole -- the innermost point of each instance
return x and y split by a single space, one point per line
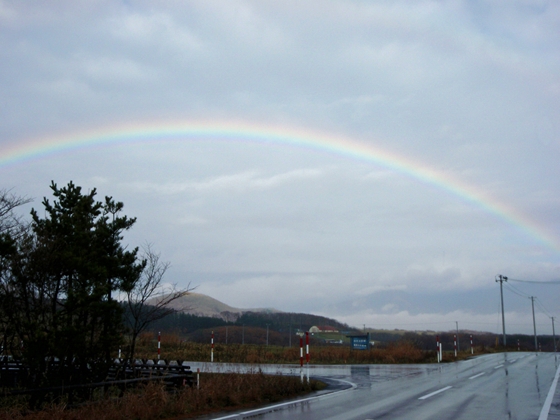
501 279
534 324
553 334
457 325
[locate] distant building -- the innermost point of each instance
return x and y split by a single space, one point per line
323 329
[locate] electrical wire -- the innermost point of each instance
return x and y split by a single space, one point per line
543 308
520 293
516 291
535 281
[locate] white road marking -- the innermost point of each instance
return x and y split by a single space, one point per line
295 402
476 376
499 366
435 393
549 397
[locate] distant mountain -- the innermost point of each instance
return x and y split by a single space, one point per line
202 305
198 315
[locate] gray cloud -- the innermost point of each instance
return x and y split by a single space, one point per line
470 89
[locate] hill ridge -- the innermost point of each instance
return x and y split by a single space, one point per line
200 304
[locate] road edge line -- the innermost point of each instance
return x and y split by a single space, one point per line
294 402
549 397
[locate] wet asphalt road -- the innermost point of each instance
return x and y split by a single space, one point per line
497 386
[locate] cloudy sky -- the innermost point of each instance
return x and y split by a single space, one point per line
379 162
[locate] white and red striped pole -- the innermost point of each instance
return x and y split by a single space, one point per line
212 348
301 351
307 347
438 348
455 344
472 349
158 345
301 357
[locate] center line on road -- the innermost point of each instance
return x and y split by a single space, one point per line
476 376
435 392
499 366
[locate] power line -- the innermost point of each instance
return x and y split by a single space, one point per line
535 281
494 323
516 291
543 308
520 293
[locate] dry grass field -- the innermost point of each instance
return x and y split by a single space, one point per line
217 392
173 348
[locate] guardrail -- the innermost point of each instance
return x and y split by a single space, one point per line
122 374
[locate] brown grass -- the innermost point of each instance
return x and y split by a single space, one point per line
398 352
218 392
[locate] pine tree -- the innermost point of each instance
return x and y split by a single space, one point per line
60 286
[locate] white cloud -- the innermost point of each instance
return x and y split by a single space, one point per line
240 182
470 89
379 287
435 321
192 220
154 29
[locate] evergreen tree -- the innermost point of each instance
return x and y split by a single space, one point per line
59 282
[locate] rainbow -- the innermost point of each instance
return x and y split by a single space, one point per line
236 131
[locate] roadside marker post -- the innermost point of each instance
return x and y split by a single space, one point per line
472 350
307 347
301 352
301 358
158 345
455 344
212 348
438 349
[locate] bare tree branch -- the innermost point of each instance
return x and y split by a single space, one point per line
10 222
149 300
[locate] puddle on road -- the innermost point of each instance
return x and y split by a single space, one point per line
361 375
